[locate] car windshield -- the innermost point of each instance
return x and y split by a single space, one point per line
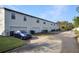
17 31
24 32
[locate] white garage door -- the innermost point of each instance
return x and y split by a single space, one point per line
36 29
14 28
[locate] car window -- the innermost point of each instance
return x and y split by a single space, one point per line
23 32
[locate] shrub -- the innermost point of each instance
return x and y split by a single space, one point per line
76 32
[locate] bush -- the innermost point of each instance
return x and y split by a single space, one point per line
76 32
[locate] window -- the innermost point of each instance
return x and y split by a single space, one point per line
25 18
13 15
54 24
44 22
37 21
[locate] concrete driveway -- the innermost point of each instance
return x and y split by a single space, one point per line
63 42
69 44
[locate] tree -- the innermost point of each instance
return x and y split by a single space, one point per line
76 21
64 25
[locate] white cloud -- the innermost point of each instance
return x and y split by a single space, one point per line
56 11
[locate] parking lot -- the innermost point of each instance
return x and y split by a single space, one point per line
63 42
40 43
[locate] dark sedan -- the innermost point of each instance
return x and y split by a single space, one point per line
22 35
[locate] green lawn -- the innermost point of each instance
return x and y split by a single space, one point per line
7 43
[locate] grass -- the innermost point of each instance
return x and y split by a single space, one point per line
7 43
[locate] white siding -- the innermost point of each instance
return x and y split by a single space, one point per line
2 22
56 26
19 24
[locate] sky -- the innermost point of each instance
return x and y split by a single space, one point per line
49 12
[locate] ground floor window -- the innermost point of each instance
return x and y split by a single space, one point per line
11 33
44 31
32 31
52 30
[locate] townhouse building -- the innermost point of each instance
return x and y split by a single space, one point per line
11 20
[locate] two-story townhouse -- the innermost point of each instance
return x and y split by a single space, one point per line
11 20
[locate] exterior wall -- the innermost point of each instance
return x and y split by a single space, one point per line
19 24
56 26
2 22
33 25
15 24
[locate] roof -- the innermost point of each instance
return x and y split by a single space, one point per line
25 14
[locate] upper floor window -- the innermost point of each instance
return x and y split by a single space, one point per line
54 24
44 22
25 18
37 21
13 15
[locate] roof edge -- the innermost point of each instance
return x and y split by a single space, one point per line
25 14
